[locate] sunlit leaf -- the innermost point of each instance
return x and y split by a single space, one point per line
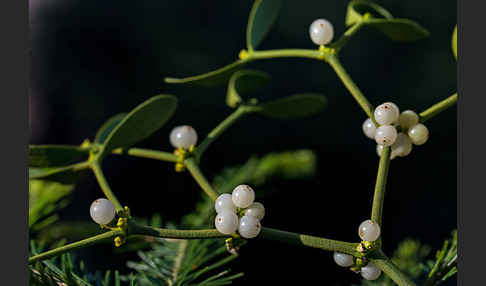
56 155
454 42
210 79
295 106
262 17
141 122
67 175
107 127
358 8
243 82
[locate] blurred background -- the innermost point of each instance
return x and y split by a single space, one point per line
93 59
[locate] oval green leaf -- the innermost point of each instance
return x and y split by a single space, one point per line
358 8
454 42
141 122
107 127
56 155
295 106
210 79
401 30
243 82
67 175
262 17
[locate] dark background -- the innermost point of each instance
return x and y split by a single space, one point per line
93 59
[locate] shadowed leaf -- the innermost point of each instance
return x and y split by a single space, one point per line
107 127
262 17
295 106
243 82
56 155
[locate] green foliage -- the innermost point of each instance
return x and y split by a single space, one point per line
56 155
403 30
445 265
45 198
141 122
454 42
66 175
262 17
243 82
292 107
184 262
108 127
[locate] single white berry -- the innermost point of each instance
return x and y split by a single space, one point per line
249 226
226 222
256 209
344 260
321 32
408 118
243 196
379 150
183 137
402 146
418 134
386 113
224 202
369 128
102 211
386 135
370 271
369 230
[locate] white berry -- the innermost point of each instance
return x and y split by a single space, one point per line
226 222
224 202
344 260
379 150
402 146
418 134
243 196
386 135
256 209
408 118
369 230
369 128
370 271
386 113
321 32
249 226
102 211
183 137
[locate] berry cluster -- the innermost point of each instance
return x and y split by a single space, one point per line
239 203
398 130
368 231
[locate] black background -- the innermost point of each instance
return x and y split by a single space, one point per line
92 59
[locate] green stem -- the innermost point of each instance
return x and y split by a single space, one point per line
286 53
75 245
147 153
379 196
344 39
137 229
390 269
310 241
216 132
95 166
193 168
351 86
438 108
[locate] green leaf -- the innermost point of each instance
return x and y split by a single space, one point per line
56 155
107 127
67 174
295 106
454 42
262 16
141 122
358 8
402 30
243 82
210 79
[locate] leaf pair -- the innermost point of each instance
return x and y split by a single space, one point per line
397 29
295 106
65 162
263 15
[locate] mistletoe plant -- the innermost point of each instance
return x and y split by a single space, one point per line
238 218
